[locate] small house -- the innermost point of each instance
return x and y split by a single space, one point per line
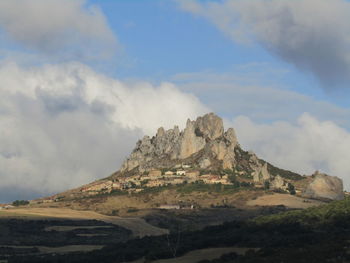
180 172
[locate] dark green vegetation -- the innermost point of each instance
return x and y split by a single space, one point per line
334 213
20 202
314 235
283 173
194 220
15 233
198 186
243 165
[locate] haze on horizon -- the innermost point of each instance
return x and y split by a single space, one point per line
82 80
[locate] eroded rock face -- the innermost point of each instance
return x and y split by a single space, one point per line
205 134
261 174
325 187
190 142
278 183
209 126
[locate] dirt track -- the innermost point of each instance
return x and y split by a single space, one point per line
138 226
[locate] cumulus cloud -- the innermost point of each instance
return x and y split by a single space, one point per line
65 125
230 95
304 147
313 35
58 27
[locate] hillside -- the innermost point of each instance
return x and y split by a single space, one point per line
179 196
317 234
199 167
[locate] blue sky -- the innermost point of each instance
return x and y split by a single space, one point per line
159 40
276 70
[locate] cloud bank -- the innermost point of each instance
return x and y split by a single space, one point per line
313 35
58 27
66 125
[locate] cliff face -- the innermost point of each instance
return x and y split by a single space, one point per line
205 135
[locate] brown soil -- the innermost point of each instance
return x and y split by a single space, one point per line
289 201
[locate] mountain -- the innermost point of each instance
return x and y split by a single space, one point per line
201 158
202 145
189 191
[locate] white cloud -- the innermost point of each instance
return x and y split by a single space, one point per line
313 35
304 147
65 125
57 27
232 96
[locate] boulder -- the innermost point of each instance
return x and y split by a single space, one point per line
324 187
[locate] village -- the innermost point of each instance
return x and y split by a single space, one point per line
156 178
181 174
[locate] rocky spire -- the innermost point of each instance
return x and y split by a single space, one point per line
206 134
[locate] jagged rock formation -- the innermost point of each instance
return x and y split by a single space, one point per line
261 174
324 187
204 144
203 153
205 135
279 183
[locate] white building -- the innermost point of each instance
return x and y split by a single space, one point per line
180 172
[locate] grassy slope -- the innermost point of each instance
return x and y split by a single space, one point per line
313 216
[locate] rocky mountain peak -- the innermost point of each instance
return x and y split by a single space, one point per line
205 134
205 145
209 126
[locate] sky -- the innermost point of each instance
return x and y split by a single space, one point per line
82 80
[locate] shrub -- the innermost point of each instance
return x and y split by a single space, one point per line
291 189
266 185
20 202
132 210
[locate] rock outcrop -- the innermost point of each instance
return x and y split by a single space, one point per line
261 174
205 145
278 183
324 187
205 135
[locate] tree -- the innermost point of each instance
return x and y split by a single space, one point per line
266 185
20 202
291 189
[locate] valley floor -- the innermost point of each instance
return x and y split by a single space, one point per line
61 234
138 226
